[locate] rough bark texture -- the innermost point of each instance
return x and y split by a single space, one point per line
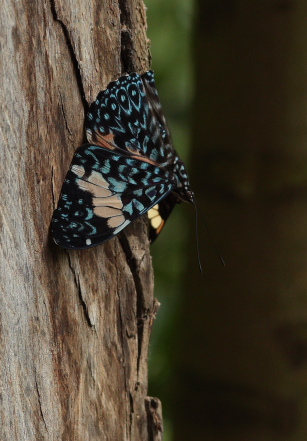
242 367
75 325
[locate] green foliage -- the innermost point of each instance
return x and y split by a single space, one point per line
169 29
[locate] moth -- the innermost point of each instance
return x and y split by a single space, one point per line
129 167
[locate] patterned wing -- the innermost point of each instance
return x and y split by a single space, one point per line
127 116
157 117
158 215
102 193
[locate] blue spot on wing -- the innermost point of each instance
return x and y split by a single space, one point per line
130 112
130 109
117 186
151 193
90 214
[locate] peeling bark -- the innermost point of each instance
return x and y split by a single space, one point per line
75 325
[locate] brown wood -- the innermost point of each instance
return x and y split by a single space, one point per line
75 325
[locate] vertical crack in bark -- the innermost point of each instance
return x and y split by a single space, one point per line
140 307
39 400
64 115
78 285
131 402
74 59
52 188
123 334
124 364
127 46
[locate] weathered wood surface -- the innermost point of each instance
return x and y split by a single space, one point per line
75 325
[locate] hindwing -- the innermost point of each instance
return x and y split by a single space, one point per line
102 193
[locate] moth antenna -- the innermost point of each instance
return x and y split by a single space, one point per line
197 208
197 238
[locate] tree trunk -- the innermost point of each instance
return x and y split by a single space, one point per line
242 365
75 325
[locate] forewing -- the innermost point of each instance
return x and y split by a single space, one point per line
127 116
157 118
102 193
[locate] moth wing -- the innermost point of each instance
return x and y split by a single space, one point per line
102 193
127 116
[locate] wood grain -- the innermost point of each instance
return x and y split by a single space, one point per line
75 325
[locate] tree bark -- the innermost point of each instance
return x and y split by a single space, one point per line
75 325
242 364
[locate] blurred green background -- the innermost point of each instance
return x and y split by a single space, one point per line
169 29
229 348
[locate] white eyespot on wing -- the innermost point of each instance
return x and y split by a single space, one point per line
88 241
